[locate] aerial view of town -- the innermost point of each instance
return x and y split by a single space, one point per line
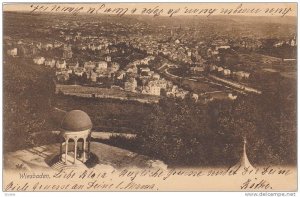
177 91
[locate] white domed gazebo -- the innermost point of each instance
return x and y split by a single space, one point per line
76 131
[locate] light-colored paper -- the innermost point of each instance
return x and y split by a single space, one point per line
119 169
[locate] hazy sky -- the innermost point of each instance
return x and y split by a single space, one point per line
265 9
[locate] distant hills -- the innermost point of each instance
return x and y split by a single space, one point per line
241 26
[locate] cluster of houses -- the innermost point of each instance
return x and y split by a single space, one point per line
246 43
215 50
12 52
30 49
290 42
93 70
175 50
218 70
140 78
26 48
179 48
89 42
135 77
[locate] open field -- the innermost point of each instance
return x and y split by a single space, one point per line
107 114
114 93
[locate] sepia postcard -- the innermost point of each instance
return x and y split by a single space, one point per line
150 97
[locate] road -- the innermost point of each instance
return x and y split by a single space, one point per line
236 85
208 81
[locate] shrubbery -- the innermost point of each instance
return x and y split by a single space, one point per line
185 133
28 92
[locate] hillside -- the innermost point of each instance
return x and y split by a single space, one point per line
28 92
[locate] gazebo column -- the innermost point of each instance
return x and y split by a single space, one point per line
66 154
75 150
60 150
89 144
83 148
76 136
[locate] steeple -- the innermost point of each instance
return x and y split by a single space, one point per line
244 161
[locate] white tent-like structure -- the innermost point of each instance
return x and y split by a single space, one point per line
244 161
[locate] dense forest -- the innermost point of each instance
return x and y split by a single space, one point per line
185 133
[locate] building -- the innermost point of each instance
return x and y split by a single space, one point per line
130 85
108 58
223 47
145 61
50 62
102 65
293 42
73 65
231 96
242 75
61 64
67 54
197 69
220 69
62 77
89 65
155 76
39 60
195 97
212 67
57 44
226 72
154 88
93 77
75 131
181 93
24 50
113 68
79 71
120 75
48 46
144 72
12 52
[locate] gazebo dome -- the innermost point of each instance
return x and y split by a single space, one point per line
76 120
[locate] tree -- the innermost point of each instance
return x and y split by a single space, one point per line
268 132
176 132
84 78
181 132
